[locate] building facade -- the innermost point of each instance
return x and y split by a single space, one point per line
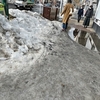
96 23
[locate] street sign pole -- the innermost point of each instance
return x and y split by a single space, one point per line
6 8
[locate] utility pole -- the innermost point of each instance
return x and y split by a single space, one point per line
61 5
6 8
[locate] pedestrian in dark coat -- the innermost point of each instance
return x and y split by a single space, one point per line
88 14
80 13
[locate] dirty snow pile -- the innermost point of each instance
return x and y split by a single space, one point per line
27 31
44 63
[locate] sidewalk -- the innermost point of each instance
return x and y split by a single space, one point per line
73 23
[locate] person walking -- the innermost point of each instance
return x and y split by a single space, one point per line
80 13
66 12
88 14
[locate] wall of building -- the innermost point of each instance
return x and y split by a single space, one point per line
96 23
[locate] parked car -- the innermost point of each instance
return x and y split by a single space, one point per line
24 4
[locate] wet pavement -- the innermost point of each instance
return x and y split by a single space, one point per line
85 37
74 23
